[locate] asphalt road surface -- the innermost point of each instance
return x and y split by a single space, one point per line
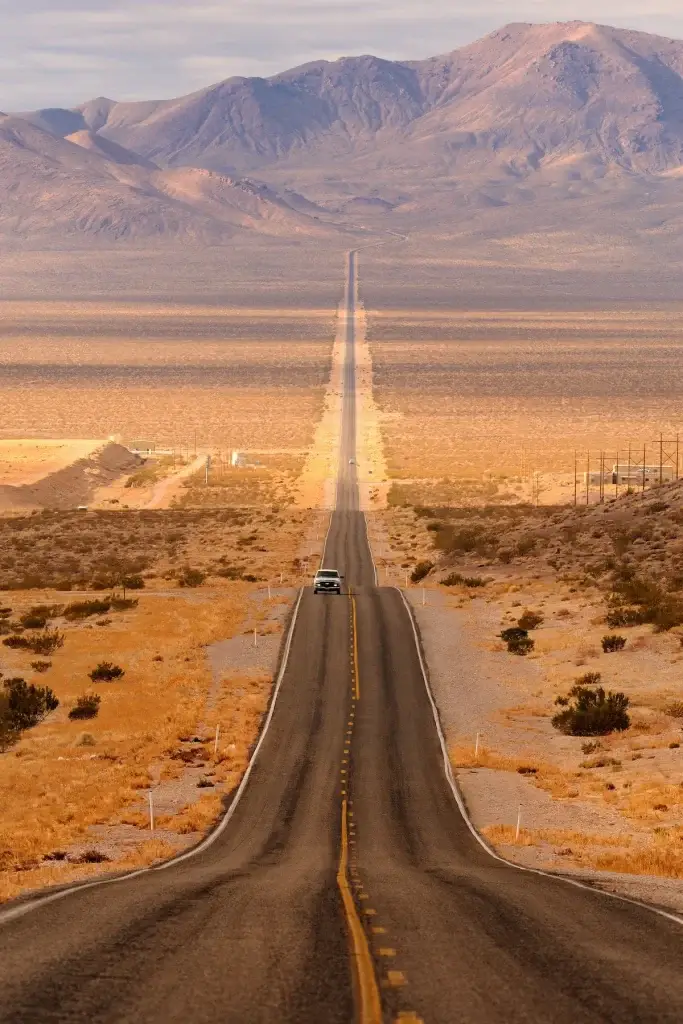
346 885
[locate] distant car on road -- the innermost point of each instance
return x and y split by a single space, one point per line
352 462
327 581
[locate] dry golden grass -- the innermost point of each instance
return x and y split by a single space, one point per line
57 782
507 834
464 393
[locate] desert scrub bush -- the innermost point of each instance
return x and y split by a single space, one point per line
455 579
135 582
86 706
47 642
83 609
17 642
621 617
191 578
106 672
421 570
675 709
25 704
530 620
591 711
518 641
41 666
122 604
612 642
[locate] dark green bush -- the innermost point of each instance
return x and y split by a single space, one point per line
613 642
106 672
590 711
86 706
523 646
27 704
421 570
518 640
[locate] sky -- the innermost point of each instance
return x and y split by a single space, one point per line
63 52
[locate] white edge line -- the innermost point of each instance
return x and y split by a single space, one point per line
448 768
372 557
26 908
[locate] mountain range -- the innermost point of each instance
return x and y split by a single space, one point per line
527 116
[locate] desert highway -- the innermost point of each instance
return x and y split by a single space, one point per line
346 885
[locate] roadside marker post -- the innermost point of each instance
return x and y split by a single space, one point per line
406 579
424 596
476 747
519 822
255 643
151 810
215 745
269 593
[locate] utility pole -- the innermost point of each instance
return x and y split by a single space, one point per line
588 474
575 474
616 485
661 459
195 444
644 460
602 477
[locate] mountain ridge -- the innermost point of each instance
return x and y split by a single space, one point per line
566 109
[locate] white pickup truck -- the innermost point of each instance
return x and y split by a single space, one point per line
327 581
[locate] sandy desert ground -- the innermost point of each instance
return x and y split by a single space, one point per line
463 394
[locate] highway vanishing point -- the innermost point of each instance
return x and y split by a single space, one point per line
345 884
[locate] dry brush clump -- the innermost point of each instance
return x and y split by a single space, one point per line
126 550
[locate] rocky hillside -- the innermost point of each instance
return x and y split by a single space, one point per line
525 116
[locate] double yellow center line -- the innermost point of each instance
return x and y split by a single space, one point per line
367 990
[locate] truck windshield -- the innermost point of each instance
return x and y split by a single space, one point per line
328 574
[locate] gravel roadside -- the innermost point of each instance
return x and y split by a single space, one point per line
475 686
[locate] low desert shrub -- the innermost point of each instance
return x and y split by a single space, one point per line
619 617
47 642
17 642
25 704
518 640
530 620
191 578
421 570
122 604
591 711
135 582
83 609
106 672
612 643
455 579
86 706
41 666
675 709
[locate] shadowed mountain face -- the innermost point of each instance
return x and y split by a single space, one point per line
528 113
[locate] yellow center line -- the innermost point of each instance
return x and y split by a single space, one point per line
369 1004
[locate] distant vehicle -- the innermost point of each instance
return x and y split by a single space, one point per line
327 581
352 462
81 508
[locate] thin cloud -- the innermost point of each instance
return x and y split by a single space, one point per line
55 53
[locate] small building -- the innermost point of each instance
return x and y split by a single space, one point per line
632 476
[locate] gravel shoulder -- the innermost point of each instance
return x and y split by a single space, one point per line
480 689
